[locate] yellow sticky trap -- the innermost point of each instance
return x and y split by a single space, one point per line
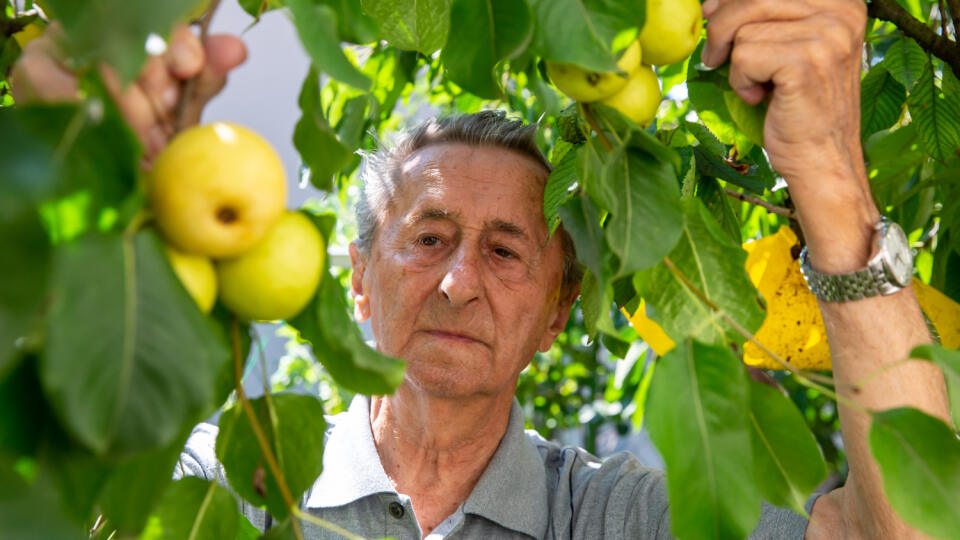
793 328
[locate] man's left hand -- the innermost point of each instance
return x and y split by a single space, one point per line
805 57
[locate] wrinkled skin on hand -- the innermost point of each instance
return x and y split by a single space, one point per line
149 104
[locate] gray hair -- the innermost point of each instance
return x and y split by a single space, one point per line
380 171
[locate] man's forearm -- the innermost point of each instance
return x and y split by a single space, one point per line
865 336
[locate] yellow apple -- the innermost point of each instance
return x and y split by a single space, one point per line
278 276
585 85
640 98
671 31
216 190
197 275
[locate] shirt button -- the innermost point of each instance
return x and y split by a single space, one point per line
395 509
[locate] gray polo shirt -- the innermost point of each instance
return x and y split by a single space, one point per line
532 488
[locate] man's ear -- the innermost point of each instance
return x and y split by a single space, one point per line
560 317
361 303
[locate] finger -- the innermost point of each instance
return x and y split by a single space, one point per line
160 85
139 112
40 74
728 17
185 56
224 52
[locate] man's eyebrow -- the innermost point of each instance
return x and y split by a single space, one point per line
507 228
432 214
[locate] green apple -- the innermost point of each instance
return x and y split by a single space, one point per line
197 275
585 85
216 190
671 31
278 276
640 98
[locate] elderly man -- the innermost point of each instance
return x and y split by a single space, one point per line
455 272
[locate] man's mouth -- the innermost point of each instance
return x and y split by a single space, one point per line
454 336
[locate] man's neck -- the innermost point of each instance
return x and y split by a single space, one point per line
435 449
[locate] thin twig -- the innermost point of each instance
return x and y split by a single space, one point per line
940 46
779 210
187 89
255 426
588 114
333 527
943 19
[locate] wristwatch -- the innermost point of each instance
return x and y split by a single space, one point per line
886 273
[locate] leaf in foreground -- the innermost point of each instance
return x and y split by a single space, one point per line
296 437
697 409
788 464
949 362
919 458
142 370
194 509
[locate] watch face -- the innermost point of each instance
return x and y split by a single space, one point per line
897 259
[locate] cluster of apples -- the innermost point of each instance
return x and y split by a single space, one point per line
669 35
218 194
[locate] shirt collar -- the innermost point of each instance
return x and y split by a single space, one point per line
352 470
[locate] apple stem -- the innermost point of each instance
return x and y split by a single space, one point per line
187 89
257 429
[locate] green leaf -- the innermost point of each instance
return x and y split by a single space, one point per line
711 165
919 459
696 411
337 342
596 300
582 32
643 197
749 118
294 427
581 219
707 139
487 31
713 263
881 100
129 22
906 61
412 25
317 27
717 202
151 369
26 268
949 362
32 510
195 509
318 145
23 412
137 484
937 117
256 8
788 464
557 190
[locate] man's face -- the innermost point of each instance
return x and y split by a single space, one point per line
461 281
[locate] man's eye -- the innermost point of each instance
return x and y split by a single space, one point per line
504 253
429 241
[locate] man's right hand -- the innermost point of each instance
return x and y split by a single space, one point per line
149 104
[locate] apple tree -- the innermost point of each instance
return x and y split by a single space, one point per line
107 361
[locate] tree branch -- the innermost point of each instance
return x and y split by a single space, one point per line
779 210
954 7
939 46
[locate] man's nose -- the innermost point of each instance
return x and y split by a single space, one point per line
462 284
